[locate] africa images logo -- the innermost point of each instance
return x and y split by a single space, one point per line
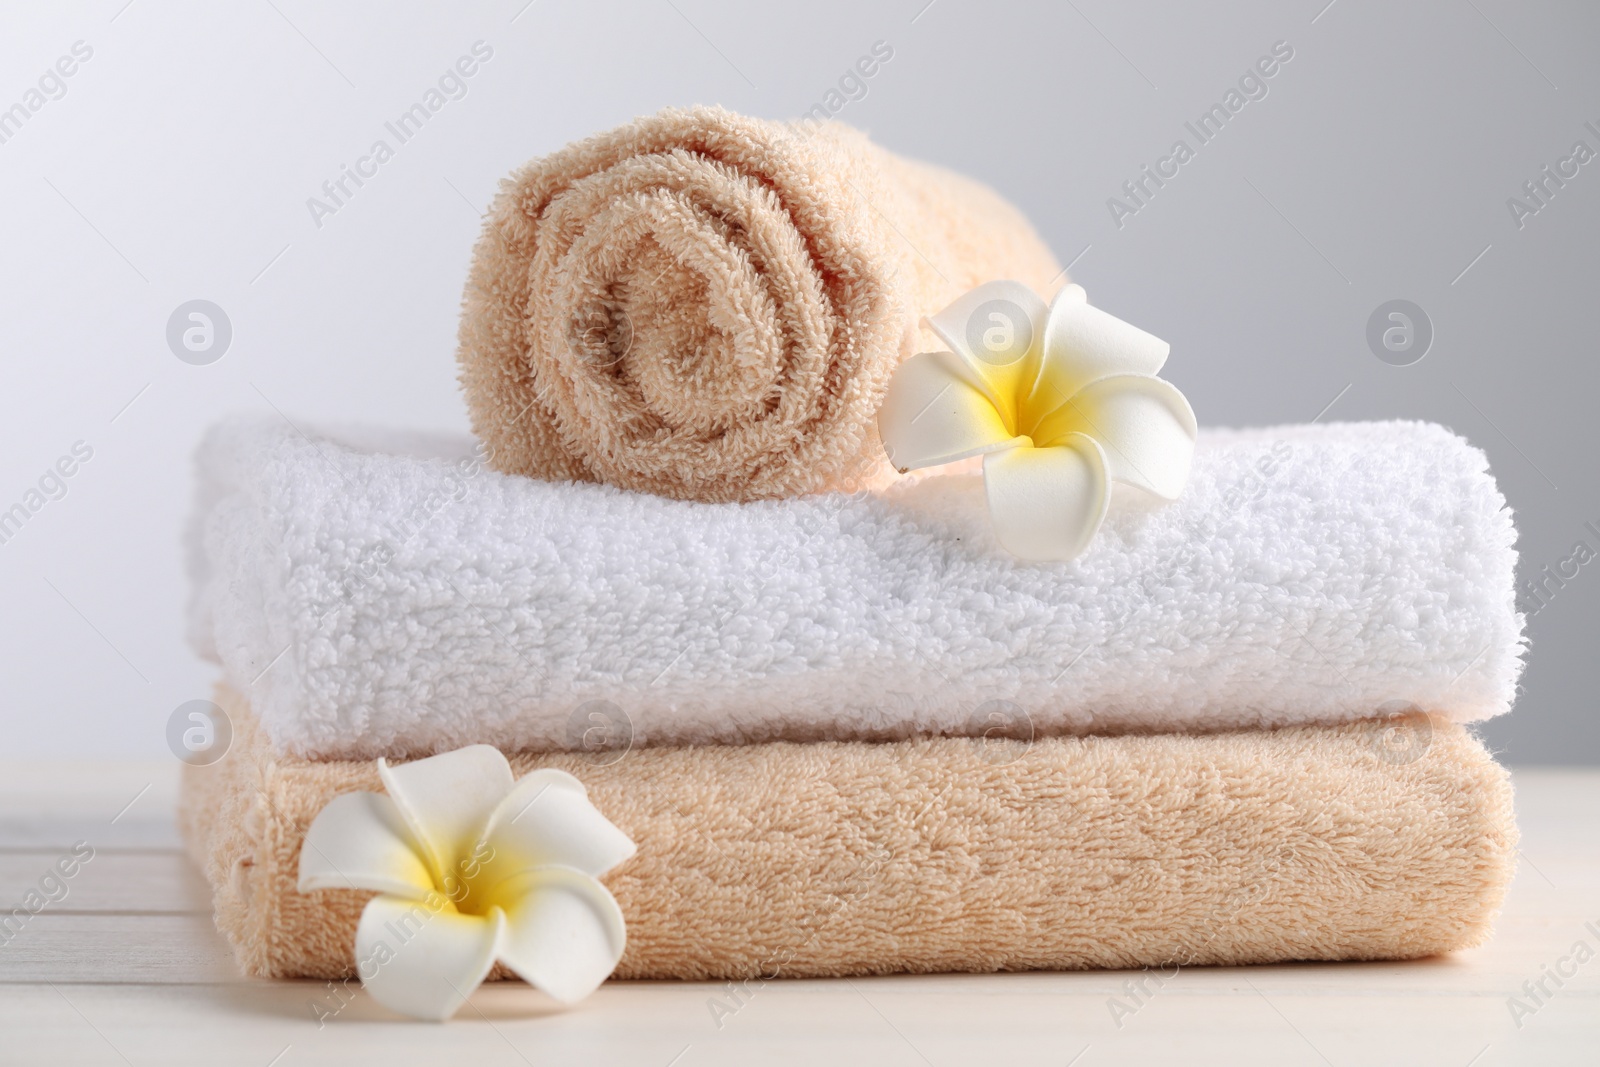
339 190
52 85
1139 190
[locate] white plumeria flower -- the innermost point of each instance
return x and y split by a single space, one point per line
472 867
1060 401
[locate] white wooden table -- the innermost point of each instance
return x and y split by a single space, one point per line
126 968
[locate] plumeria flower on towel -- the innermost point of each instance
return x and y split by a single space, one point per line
472 867
1060 401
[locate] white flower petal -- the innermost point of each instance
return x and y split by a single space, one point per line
422 961
546 819
564 932
447 799
934 413
1047 503
360 841
997 330
1082 343
1145 426
983 332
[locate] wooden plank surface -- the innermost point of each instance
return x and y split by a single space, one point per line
158 880
126 968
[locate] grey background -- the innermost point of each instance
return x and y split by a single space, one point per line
178 163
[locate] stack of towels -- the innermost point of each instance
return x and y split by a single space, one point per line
847 731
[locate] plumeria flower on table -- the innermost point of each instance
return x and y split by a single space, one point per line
471 867
1060 400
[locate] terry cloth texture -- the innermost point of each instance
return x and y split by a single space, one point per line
951 854
387 595
709 306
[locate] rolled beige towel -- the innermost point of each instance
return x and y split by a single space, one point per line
708 306
1362 841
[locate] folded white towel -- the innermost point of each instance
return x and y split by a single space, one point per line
379 593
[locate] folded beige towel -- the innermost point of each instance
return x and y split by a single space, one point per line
708 306
953 854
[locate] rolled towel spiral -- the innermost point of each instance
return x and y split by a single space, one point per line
708 306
